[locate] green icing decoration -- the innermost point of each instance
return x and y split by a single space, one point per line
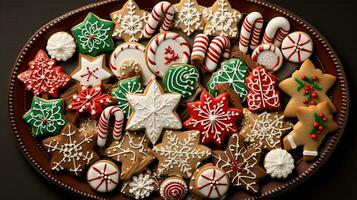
45 116
233 72
93 35
131 85
181 79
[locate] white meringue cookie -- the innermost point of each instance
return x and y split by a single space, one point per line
278 163
61 46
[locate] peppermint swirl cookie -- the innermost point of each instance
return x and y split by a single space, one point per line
173 188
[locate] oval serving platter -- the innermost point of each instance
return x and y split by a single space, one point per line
19 100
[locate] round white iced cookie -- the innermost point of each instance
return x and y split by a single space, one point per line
61 46
131 51
278 163
269 56
297 47
173 188
103 176
166 49
212 183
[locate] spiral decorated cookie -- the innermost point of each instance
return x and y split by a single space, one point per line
131 51
268 56
210 182
182 79
297 47
173 188
103 176
61 46
164 50
278 163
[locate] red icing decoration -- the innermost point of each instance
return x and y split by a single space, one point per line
261 91
213 118
43 76
172 56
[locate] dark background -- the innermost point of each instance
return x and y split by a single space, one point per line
336 19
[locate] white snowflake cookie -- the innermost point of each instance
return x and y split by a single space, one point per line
141 186
188 16
61 46
278 163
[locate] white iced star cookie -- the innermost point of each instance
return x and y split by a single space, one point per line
188 16
153 111
91 71
278 163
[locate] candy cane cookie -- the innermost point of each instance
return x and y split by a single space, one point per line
162 11
276 31
297 47
219 46
269 56
102 128
250 31
199 49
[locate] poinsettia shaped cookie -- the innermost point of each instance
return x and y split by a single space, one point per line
94 35
213 118
307 86
43 76
314 123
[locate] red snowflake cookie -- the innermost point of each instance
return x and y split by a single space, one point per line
213 118
261 91
43 76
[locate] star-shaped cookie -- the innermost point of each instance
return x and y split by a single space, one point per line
307 86
240 164
91 71
179 153
71 150
188 16
265 129
129 22
213 118
153 111
133 152
314 123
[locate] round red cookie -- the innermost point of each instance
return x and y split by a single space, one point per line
173 188
103 176
297 47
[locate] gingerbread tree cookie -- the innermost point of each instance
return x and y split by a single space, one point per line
71 150
307 86
188 16
314 123
240 164
179 153
129 22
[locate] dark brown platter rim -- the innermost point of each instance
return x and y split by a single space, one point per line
331 57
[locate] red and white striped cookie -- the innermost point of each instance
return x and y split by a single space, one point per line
166 49
102 128
103 176
219 47
297 47
199 49
173 188
131 51
250 31
269 56
163 10
276 31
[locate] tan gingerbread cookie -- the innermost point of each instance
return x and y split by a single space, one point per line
129 69
188 16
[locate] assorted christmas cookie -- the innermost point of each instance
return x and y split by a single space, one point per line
268 56
307 86
129 69
240 164
278 163
129 22
213 118
173 188
221 19
164 50
130 51
94 35
264 129
91 71
43 76
297 47
45 117
133 152
179 153
314 123
61 46
262 94
182 79
103 176
233 72
141 186
188 16
154 110
125 87
210 182
71 150
91 100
